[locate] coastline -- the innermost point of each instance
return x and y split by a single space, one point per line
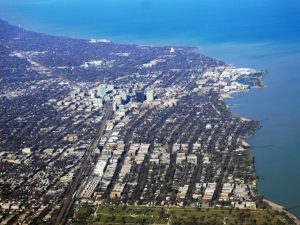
272 204
280 208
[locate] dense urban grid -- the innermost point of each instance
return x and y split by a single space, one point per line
98 123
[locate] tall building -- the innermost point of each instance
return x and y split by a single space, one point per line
110 87
114 105
140 96
118 100
149 95
102 90
123 95
92 93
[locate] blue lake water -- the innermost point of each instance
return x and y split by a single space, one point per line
263 34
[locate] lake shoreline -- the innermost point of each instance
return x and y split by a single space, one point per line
144 43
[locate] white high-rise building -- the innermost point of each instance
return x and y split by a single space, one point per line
123 95
92 93
149 95
102 90
110 87
118 99
114 106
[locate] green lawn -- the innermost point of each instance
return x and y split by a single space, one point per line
174 216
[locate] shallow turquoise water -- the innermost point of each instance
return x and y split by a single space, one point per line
263 34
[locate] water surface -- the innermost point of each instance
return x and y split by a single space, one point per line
263 34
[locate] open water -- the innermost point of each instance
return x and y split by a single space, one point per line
263 34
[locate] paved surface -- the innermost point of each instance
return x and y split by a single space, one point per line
85 168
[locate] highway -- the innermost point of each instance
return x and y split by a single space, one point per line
85 168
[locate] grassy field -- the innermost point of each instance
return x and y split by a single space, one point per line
174 216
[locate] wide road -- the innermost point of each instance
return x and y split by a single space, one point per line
69 198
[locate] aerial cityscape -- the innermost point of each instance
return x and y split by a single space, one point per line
97 132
